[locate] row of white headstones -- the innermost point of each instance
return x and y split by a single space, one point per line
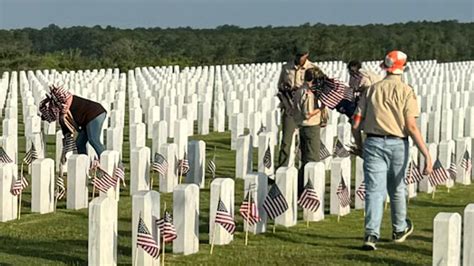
244 96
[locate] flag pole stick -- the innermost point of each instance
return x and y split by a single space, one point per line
151 181
93 186
213 237
433 194
164 247
247 220
135 262
307 218
21 192
338 217
386 204
274 226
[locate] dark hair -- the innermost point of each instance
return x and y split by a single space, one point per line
309 75
354 63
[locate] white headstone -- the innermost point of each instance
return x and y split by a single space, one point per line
265 141
77 179
145 204
340 170
203 118
445 149
287 181
468 235
102 247
236 128
316 172
424 185
243 156
153 116
257 183
447 239
359 178
160 135
447 124
458 123
469 123
137 136
463 145
181 136
434 123
139 169
223 189
186 218
197 163
115 139
170 180
8 202
42 187
219 117
108 161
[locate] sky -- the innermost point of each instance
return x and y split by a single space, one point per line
212 13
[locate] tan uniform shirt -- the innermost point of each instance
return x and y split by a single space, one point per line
367 78
306 100
292 76
385 105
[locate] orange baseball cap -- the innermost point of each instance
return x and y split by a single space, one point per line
394 62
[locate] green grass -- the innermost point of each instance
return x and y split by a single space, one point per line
61 238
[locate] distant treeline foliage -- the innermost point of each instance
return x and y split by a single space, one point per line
98 47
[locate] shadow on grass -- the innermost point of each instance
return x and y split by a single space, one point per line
48 250
433 204
372 257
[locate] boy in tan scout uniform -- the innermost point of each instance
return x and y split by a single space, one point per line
291 78
387 114
308 118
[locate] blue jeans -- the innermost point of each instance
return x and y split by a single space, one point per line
385 163
92 134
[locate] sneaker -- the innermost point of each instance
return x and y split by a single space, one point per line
399 237
369 243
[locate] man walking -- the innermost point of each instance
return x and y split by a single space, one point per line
291 78
387 113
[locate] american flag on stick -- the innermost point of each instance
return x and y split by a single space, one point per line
146 241
160 164
224 218
453 171
103 181
4 158
360 192
211 167
249 210
167 229
343 194
324 152
413 174
30 155
69 145
439 174
183 165
119 173
332 92
275 203
19 185
309 199
267 157
340 150
466 162
60 188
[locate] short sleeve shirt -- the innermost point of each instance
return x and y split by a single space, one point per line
385 105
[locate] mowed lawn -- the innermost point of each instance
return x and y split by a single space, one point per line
62 237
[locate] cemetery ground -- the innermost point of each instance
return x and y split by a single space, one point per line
61 237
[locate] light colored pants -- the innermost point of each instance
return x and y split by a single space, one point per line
385 163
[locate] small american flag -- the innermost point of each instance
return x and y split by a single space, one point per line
267 157
18 186
360 192
31 155
439 174
119 173
324 152
453 171
160 164
333 92
167 229
4 158
261 129
343 194
309 199
413 174
69 145
183 165
224 218
103 181
340 150
249 210
275 203
146 241
60 188
211 167
466 162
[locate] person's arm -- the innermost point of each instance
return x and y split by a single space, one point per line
281 80
359 114
410 113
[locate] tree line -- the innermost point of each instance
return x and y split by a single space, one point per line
80 47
